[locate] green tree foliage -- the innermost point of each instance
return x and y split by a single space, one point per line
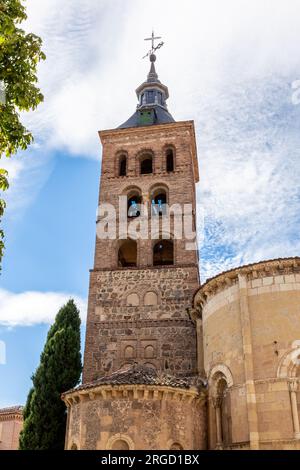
59 370
20 54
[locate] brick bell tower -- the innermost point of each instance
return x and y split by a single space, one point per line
141 387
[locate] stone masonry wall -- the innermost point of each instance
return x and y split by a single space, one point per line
146 421
159 335
251 338
140 314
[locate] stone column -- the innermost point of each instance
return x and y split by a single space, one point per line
200 352
217 402
195 315
248 364
67 424
293 386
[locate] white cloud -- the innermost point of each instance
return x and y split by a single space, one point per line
249 162
94 52
27 173
30 308
229 65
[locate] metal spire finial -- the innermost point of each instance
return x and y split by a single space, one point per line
153 47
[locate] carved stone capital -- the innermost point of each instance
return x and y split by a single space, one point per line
195 314
293 385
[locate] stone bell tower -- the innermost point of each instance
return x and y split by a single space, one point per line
141 387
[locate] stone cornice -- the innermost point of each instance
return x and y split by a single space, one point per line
251 271
136 391
11 416
157 128
159 269
143 323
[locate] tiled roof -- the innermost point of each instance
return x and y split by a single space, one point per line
141 375
11 409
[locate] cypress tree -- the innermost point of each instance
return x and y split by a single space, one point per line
59 370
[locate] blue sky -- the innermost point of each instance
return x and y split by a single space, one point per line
231 66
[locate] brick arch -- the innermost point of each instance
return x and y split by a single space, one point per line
120 153
289 364
143 151
157 186
165 148
120 437
175 444
130 189
140 155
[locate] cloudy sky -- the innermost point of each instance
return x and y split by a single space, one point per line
232 66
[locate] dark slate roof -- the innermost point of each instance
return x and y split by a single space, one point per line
142 375
162 116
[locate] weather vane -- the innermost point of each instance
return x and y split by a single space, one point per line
153 47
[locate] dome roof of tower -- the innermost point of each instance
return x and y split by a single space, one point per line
152 102
161 116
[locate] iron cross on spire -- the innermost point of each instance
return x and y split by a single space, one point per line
153 47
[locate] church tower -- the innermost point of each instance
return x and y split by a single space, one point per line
141 380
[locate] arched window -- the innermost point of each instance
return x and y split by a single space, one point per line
150 298
149 352
146 164
129 352
127 255
170 160
123 165
74 447
158 202
120 444
221 401
163 253
134 205
176 446
133 300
